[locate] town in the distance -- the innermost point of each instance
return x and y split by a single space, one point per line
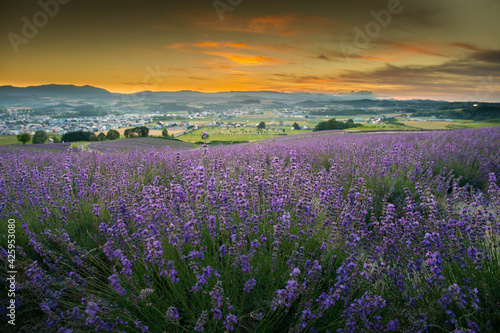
57 110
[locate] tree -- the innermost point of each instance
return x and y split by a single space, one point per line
40 137
390 120
164 133
25 137
261 125
129 133
296 126
142 131
76 136
112 135
333 124
55 139
101 136
93 137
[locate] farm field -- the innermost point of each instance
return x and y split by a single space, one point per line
423 125
255 119
380 128
329 232
137 144
440 125
9 140
17 148
242 134
152 132
475 124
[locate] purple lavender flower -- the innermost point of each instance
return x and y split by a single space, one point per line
199 327
230 321
115 283
172 314
249 285
92 309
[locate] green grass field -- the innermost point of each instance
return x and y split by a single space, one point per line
441 125
380 127
479 124
9 140
236 134
268 118
424 125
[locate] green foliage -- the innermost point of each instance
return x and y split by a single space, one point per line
164 133
93 137
173 107
261 125
56 139
142 131
333 124
40 137
101 136
348 112
296 126
76 136
242 134
69 111
481 113
24 138
112 135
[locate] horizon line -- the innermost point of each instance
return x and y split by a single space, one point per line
368 96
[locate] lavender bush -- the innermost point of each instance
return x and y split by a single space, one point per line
340 233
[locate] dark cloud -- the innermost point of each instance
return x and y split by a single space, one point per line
467 71
490 56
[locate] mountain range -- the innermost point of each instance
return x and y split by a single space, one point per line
45 95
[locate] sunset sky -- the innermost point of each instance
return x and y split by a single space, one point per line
446 49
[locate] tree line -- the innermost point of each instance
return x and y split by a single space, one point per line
333 124
345 112
42 136
141 131
480 113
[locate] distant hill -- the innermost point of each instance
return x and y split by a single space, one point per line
56 91
38 96
49 95
477 113
42 96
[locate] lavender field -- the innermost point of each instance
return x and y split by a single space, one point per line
137 144
334 233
